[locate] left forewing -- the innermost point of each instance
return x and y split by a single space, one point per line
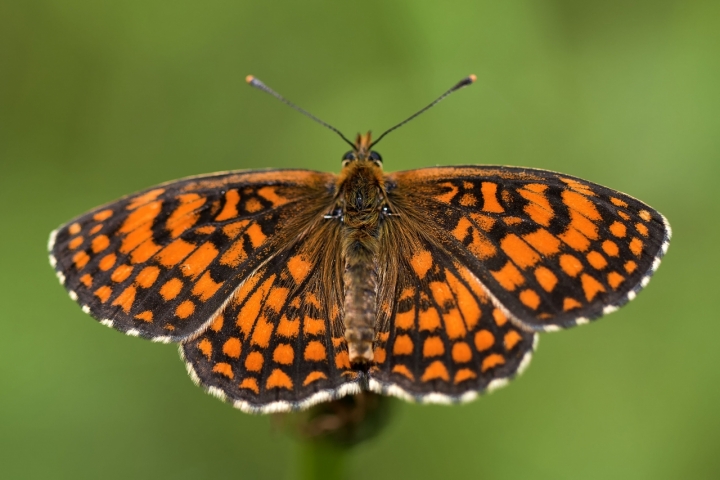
161 262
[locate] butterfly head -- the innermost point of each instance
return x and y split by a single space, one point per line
361 152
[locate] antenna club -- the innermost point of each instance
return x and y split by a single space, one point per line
462 83
254 82
472 77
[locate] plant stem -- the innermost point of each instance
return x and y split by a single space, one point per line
322 460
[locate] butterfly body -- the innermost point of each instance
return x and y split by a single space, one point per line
361 189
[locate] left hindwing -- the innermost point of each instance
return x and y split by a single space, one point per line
278 344
551 249
162 262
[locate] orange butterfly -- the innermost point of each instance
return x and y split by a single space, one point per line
285 288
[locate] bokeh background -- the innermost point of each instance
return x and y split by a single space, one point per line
99 99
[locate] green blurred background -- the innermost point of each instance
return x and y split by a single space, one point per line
99 99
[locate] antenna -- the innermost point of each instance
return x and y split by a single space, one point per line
260 85
462 83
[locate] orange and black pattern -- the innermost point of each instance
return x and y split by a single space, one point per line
244 270
161 263
553 250
278 343
445 340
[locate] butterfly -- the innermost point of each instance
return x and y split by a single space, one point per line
286 288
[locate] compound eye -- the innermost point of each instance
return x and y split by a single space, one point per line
347 158
375 157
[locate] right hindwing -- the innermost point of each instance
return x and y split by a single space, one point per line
440 338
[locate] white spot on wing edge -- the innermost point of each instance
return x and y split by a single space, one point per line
107 322
193 376
656 264
85 309
53 262
437 398
468 397
51 240
610 309
319 397
527 358
667 227
161 339
60 276
391 390
216 392
277 407
668 235
133 332
188 366
497 383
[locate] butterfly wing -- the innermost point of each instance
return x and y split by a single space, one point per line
162 262
278 344
551 250
441 339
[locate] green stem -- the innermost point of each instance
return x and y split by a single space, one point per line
322 460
